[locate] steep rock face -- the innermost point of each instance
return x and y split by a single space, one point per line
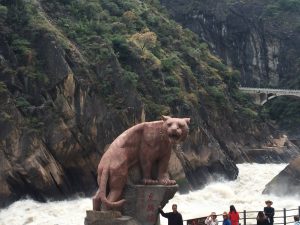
52 149
265 49
287 182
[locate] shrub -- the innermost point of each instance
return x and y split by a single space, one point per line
22 102
3 87
232 78
21 46
118 28
249 113
129 17
216 94
130 78
112 7
241 97
122 50
217 64
169 63
290 5
171 81
3 13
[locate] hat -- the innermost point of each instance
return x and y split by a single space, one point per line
225 214
269 201
213 214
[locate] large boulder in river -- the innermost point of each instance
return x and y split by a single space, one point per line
287 182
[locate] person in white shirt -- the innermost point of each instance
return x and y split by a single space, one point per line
211 219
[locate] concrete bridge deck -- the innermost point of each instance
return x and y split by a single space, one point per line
262 95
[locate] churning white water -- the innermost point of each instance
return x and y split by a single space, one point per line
244 193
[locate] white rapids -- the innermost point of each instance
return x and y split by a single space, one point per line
244 193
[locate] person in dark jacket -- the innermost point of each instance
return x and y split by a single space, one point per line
269 211
174 218
261 219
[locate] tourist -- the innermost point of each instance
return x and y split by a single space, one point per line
211 219
174 218
269 211
296 218
226 220
233 216
261 219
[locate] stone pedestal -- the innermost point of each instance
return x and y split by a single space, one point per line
142 201
108 218
140 208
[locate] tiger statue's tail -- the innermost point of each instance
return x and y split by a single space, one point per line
102 191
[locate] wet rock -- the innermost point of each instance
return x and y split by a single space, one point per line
287 182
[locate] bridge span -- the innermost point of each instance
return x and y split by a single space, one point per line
262 95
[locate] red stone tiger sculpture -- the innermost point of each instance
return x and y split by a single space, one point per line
144 144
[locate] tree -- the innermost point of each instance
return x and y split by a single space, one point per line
145 39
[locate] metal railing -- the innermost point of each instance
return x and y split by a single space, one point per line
284 216
270 90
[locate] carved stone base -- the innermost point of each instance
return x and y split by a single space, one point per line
108 218
142 201
140 208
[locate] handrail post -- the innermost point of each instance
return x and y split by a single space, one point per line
246 218
284 216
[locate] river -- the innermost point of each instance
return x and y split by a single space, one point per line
244 193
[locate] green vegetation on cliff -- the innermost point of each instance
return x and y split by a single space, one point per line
123 44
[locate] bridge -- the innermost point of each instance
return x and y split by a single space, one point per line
262 95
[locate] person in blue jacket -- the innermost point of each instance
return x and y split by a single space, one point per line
226 220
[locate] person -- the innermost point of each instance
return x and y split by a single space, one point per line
211 219
233 215
269 211
296 218
261 219
226 220
174 218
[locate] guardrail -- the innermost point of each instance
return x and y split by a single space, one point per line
284 216
270 90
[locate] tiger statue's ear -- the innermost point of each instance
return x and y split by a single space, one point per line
164 118
187 120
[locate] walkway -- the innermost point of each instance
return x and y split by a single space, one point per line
282 217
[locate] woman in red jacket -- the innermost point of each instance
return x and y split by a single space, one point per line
233 216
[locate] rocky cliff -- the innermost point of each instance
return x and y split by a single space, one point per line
74 75
260 38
